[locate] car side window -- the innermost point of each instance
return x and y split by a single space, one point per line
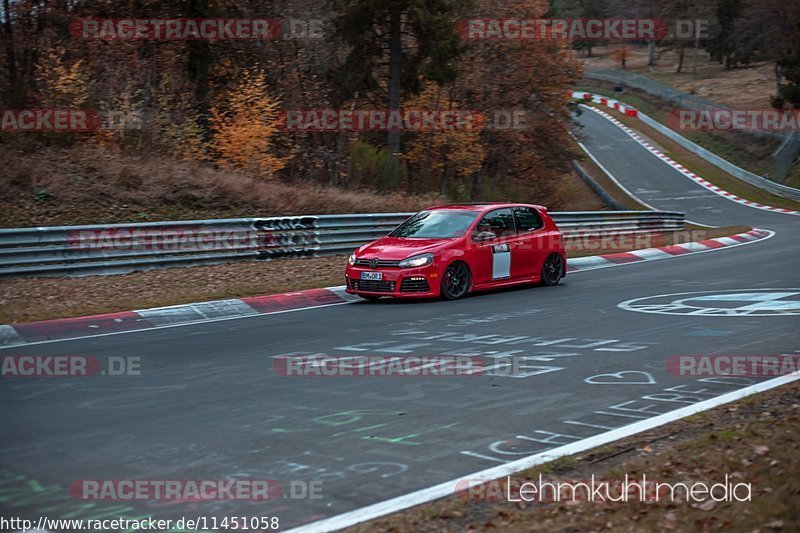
528 219
499 222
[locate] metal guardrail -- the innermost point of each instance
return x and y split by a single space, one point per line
753 179
597 188
653 87
748 177
783 156
121 248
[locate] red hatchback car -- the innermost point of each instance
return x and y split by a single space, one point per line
451 250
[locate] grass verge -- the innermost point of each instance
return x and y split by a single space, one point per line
608 184
91 184
587 246
703 168
30 299
747 151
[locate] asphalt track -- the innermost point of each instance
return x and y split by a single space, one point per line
210 406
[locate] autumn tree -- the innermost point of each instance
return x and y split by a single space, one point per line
60 83
580 9
723 45
770 30
528 76
621 52
448 155
244 124
392 46
702 14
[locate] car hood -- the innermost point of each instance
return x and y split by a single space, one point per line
392 248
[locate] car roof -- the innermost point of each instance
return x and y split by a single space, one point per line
483 206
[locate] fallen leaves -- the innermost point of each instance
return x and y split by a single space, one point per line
760 449
25 300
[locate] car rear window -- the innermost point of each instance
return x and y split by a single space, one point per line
528 219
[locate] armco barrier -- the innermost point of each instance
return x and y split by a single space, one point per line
597 188
744 175
121 248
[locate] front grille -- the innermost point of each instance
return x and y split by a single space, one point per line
372 286
382 263
415 285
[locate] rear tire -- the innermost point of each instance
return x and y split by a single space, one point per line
456 281
552 270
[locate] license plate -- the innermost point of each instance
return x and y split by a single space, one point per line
372 276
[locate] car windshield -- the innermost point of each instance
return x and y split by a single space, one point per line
437 224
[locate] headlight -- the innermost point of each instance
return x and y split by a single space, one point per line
352 259
417 261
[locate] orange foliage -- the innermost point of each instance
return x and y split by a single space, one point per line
621 53
244 130
443 155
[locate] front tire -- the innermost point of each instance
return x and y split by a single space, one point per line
456 281
552 270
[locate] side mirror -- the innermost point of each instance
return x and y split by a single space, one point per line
484 236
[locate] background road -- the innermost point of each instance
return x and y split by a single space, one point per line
210 406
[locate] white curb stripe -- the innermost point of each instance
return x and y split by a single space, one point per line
443 490
9 336
192 314
727 241
695 246
687 173
596 262
650 254
585 262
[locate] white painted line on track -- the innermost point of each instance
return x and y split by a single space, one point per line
442 490
155 328
625 189
695 248
592 262
636 136
614 178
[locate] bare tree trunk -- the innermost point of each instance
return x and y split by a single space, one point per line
680 59
9 38
696 50
395 58
198 64
477 185
778 79
651 52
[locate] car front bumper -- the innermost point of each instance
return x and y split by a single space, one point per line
420 282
